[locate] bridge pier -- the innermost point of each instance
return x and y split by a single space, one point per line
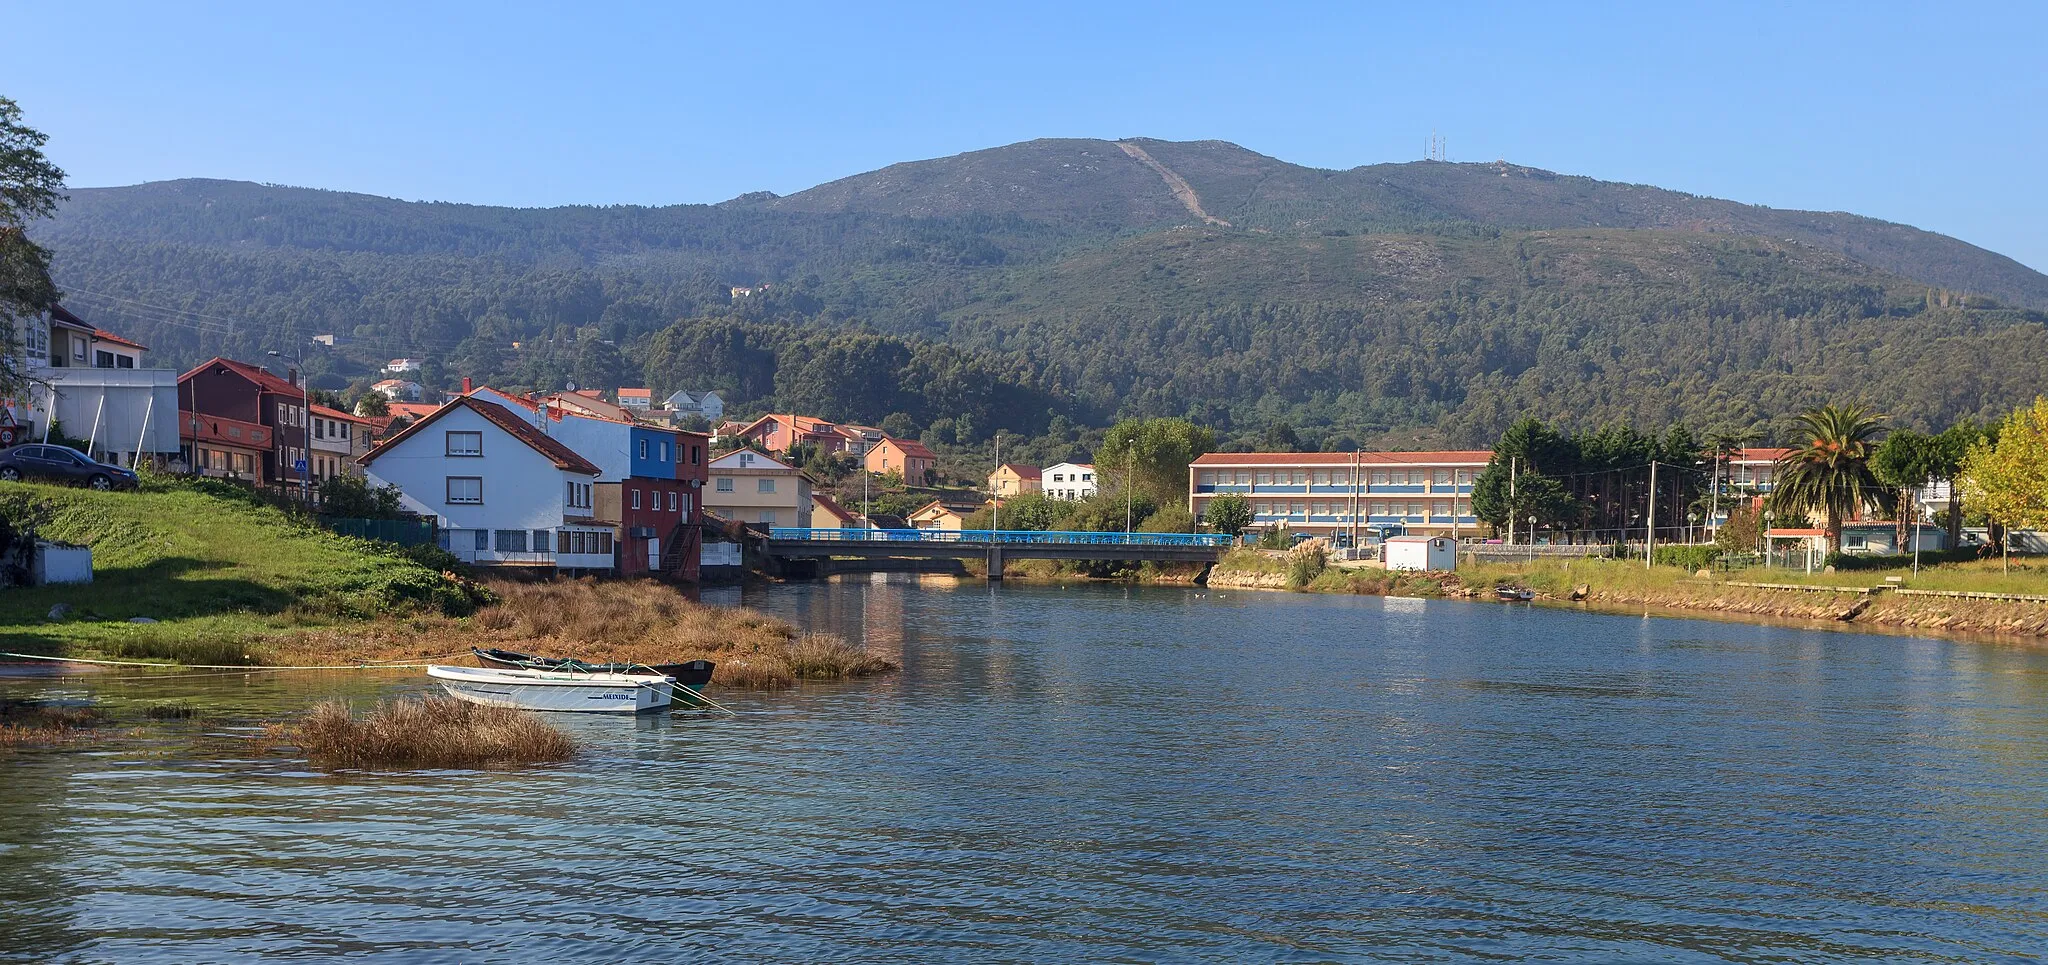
995 564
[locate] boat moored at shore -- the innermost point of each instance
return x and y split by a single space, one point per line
605 693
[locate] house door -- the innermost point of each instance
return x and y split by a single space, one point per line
654 553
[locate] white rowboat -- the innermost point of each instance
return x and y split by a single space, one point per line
603 693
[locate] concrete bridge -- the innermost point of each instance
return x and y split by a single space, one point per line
993 546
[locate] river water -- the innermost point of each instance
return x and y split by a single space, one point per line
1107 774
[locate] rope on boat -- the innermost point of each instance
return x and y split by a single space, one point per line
245 668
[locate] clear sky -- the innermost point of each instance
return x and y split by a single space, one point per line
1931 114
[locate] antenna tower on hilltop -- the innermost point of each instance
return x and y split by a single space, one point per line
1433 150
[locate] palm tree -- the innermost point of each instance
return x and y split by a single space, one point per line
1830 475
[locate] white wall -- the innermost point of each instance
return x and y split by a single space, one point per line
141 405
1069 485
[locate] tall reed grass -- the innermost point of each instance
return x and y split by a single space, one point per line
430 732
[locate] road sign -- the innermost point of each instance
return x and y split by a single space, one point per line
299 465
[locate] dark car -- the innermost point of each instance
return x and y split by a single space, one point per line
62 464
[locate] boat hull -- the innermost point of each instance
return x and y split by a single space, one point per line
553 692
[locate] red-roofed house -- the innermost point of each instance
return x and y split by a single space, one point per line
222 396
1015 479
339 440
639 400
1337 493
779 433
918 464
503 492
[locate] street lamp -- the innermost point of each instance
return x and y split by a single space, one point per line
871 439
1130 461
1532 537
305 420
1765 536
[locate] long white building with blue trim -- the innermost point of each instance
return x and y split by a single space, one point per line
1335 494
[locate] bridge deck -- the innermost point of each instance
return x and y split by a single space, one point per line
994 546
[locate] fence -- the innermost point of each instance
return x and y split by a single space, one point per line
1010 536
404 532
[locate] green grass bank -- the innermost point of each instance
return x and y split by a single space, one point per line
216 570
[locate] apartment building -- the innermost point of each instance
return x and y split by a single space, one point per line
1334 494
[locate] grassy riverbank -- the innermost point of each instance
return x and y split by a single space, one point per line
215 574
1840 597
224 579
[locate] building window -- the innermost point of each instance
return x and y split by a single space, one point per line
511 541
696 454
764 485
1379 509
1379 477
78 348
1322 479
636 498
483 539
1322 509
643 448
1340 479
1208 479
671 502
1265 479
1301 479
465 489
541 541
766 517
1443 477
465 443
319 428
102 359
1400 477
1440 508
725 484
1464 477
664 452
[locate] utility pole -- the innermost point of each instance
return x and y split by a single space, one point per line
1650 533
995 501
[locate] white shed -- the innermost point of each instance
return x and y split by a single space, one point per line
1421 553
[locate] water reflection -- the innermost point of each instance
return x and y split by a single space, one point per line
1086 773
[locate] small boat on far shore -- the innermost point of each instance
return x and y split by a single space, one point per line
603 693
1514 594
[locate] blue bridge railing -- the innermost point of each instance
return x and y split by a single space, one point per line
1010 536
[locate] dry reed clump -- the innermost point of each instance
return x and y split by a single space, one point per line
30 723
636 621
822 656
433 732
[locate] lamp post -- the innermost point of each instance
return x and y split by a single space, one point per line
871 439
1532 537
305 420
1766 537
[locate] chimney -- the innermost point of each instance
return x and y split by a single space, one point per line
465 385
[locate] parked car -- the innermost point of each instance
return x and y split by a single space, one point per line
62 464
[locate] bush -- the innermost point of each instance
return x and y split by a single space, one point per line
1845 562
1169 519
436 732
1306 562
1688 558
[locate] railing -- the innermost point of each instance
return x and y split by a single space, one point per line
1005 536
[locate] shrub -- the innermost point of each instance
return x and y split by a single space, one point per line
1845 562
1688 558
1306 562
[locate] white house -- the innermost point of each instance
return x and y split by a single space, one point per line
710 405
1069 480
403 366
400 390
1421 553
502 492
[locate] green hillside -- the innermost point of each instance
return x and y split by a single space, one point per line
1067 280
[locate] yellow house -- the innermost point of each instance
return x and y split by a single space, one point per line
1015 479
939 514
751 487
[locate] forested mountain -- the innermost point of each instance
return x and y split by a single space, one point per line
1065 282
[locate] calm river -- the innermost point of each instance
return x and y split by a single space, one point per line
1108 774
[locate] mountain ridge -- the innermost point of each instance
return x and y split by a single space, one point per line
1091 283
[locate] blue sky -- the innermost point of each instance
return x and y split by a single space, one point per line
1933 115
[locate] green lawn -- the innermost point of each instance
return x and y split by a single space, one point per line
217 572
1557 577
